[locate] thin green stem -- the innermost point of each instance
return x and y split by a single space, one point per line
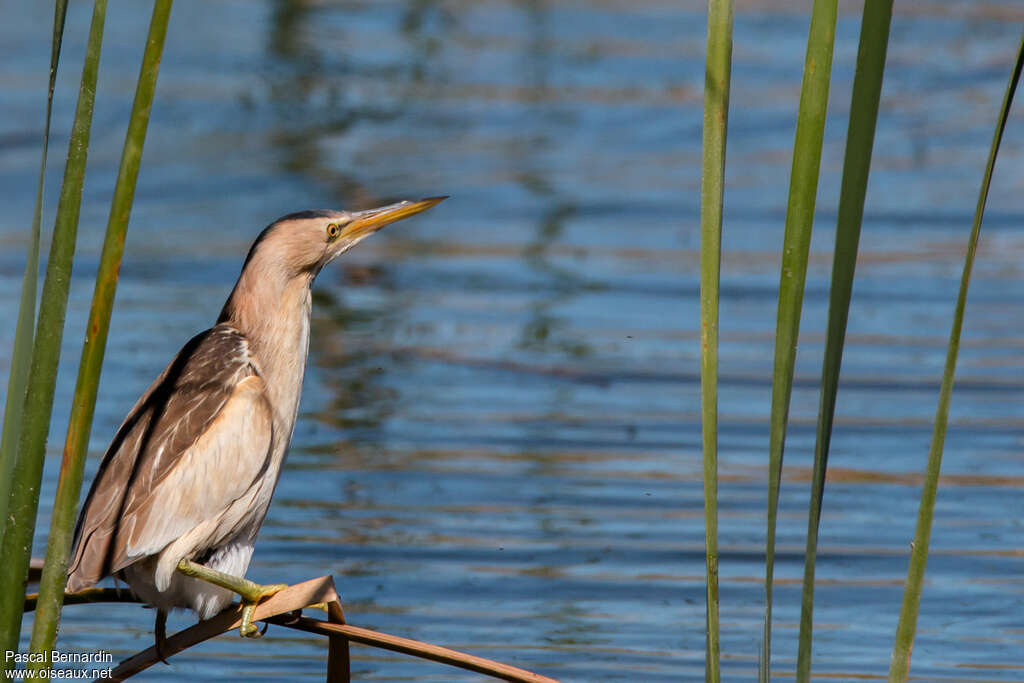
17 384
28 469
899 667
62 526
716 115
803 188
860 137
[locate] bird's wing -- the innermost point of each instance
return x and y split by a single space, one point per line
196 441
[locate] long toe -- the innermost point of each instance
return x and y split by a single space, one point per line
248 629
271 589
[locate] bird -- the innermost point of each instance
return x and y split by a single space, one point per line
180 495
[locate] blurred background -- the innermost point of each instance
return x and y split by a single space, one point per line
499 441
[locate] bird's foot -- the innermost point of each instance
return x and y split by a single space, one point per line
247 628
250 592
255 594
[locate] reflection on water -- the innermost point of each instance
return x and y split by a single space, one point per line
499 441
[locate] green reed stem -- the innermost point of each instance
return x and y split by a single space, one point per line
860 137
28 470
803 188
716 115
17 383
51 588
899 667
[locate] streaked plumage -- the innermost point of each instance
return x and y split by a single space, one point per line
191 471
207 410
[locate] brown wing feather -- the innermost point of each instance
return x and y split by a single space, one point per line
177 409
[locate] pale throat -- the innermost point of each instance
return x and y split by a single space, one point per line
274 316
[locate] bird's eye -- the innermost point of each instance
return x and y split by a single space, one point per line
333 231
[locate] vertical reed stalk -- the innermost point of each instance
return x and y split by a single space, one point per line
899 667
28 469
716 115
17 383
803 188
860 137
51 590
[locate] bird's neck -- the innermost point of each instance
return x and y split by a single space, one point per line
273 313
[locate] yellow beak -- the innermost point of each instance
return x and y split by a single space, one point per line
365 223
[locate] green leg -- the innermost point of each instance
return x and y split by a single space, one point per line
251 593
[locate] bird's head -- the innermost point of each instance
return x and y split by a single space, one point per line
301 244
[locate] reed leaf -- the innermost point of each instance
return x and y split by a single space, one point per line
28 469
716 115
62 526
803 188
899 666
17 383
860 137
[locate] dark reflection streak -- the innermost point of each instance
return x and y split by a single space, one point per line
540 333
537 334
543 332
306 86
301 73
286 28
424 46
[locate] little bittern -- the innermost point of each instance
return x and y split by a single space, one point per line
183 488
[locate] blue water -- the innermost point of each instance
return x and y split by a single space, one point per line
499 441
